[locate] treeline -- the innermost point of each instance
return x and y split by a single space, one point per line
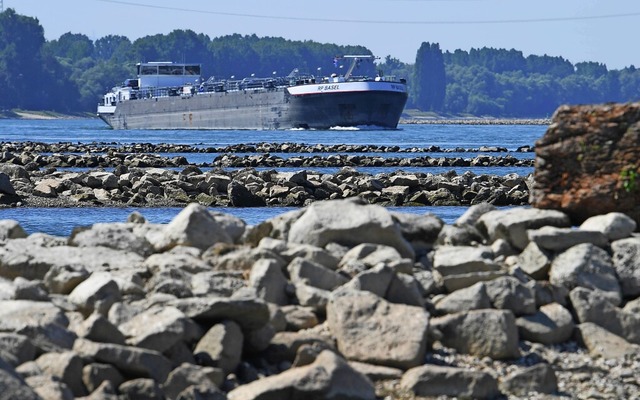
71 73
498 82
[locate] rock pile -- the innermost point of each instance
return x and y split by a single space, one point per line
252 188
338 300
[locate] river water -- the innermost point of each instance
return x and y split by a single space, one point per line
60 221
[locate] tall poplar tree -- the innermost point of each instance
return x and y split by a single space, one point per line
429 83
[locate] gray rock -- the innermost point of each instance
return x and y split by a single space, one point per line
404 289
369 329
552 324
490 333
11 229
157 328
118 236
348 222
285 345
508 293
221 346
193 226
535 261
328 377
369 254
5 185
269 282
19 257
62 279
48 387
97 293
299 317
141 388
473 297
463 266
241 196
132 361
590 306
42 322
539 378
419 230
67 367
453 260
16 349
435 380
376 372
614 225
588 266
99 329
558 239
602 343
95 374
309 296
460 235
512 224
473 214
626 261
250 314
13 386
314 253
191 375
106 391
375 280
313 274
232 225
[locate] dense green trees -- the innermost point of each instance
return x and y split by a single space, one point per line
71 73
429 80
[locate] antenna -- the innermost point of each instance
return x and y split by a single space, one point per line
1 6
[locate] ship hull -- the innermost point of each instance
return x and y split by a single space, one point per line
309 107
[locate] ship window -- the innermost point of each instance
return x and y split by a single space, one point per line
148 70
192 70
170 70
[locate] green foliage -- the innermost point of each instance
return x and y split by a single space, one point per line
629 177
71 73
429 88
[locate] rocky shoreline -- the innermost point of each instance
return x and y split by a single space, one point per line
341 299
476 121
38 175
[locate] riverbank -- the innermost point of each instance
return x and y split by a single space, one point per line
475 121
339 298
40 115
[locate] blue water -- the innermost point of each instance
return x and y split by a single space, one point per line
60 221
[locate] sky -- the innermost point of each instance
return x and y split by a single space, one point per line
603 31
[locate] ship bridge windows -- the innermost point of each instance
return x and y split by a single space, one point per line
147 70
192 70
170 70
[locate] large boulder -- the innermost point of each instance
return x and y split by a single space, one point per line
490 333
626 261
590 306
328 377
552 324
436 380
193 226
586 265
349 222
11 229
512 224
367 328
587 161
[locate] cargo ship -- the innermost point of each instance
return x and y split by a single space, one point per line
168 95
